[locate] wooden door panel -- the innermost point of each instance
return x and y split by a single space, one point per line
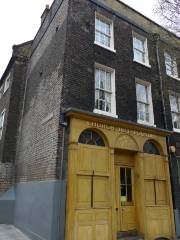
161 193
102 227
158 223
149 192
92 225
84 225
160 167
83 191
84 232
84 161
128 219
149 166
101 192
100 161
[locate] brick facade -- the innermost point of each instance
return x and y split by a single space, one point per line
60 75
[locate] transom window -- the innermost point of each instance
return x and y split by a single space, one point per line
171 65
142 102
90 137
150 147
140 49
104 32
175 110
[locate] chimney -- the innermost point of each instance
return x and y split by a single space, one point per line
45 13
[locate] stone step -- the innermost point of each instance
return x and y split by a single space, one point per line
129 235
131 238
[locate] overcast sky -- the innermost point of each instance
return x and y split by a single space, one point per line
20 20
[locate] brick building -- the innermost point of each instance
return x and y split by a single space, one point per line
93 126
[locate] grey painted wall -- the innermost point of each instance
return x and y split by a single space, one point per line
7 203
177 222
40 209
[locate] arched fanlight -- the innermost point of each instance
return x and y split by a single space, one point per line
151 148
90 137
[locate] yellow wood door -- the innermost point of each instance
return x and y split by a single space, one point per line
93 195
125 198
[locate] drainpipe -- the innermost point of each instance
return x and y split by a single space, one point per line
156 38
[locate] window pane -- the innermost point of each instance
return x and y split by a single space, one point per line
129 193
108 102
101 95
176 120
141 93
122 175
173 103
97 99
102 105
102 79
139 56
97 77
123 192
128 175
175 72
143 112
138 44
108 81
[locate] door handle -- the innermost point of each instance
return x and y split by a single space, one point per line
117 209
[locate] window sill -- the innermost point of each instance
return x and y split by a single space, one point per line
107 48
173 77
146 123
105 113
142 63
176 130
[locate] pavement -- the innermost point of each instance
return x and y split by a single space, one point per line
9 232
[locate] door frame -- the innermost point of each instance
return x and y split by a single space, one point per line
119 207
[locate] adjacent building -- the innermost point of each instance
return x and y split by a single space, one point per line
95 128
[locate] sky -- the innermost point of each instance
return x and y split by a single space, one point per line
20 21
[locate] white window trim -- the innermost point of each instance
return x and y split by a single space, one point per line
144 39
5 84
172 59
1 134
113 95
1 91
176 130
175 95
151 111
105 19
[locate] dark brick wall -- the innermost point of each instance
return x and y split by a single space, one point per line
40 132
82 54
11 100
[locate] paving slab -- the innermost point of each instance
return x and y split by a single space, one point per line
9 232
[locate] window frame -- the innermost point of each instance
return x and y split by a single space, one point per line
176 95
150 103
1 90
2 122
7 83
113 97
110 22
145 45
173 65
